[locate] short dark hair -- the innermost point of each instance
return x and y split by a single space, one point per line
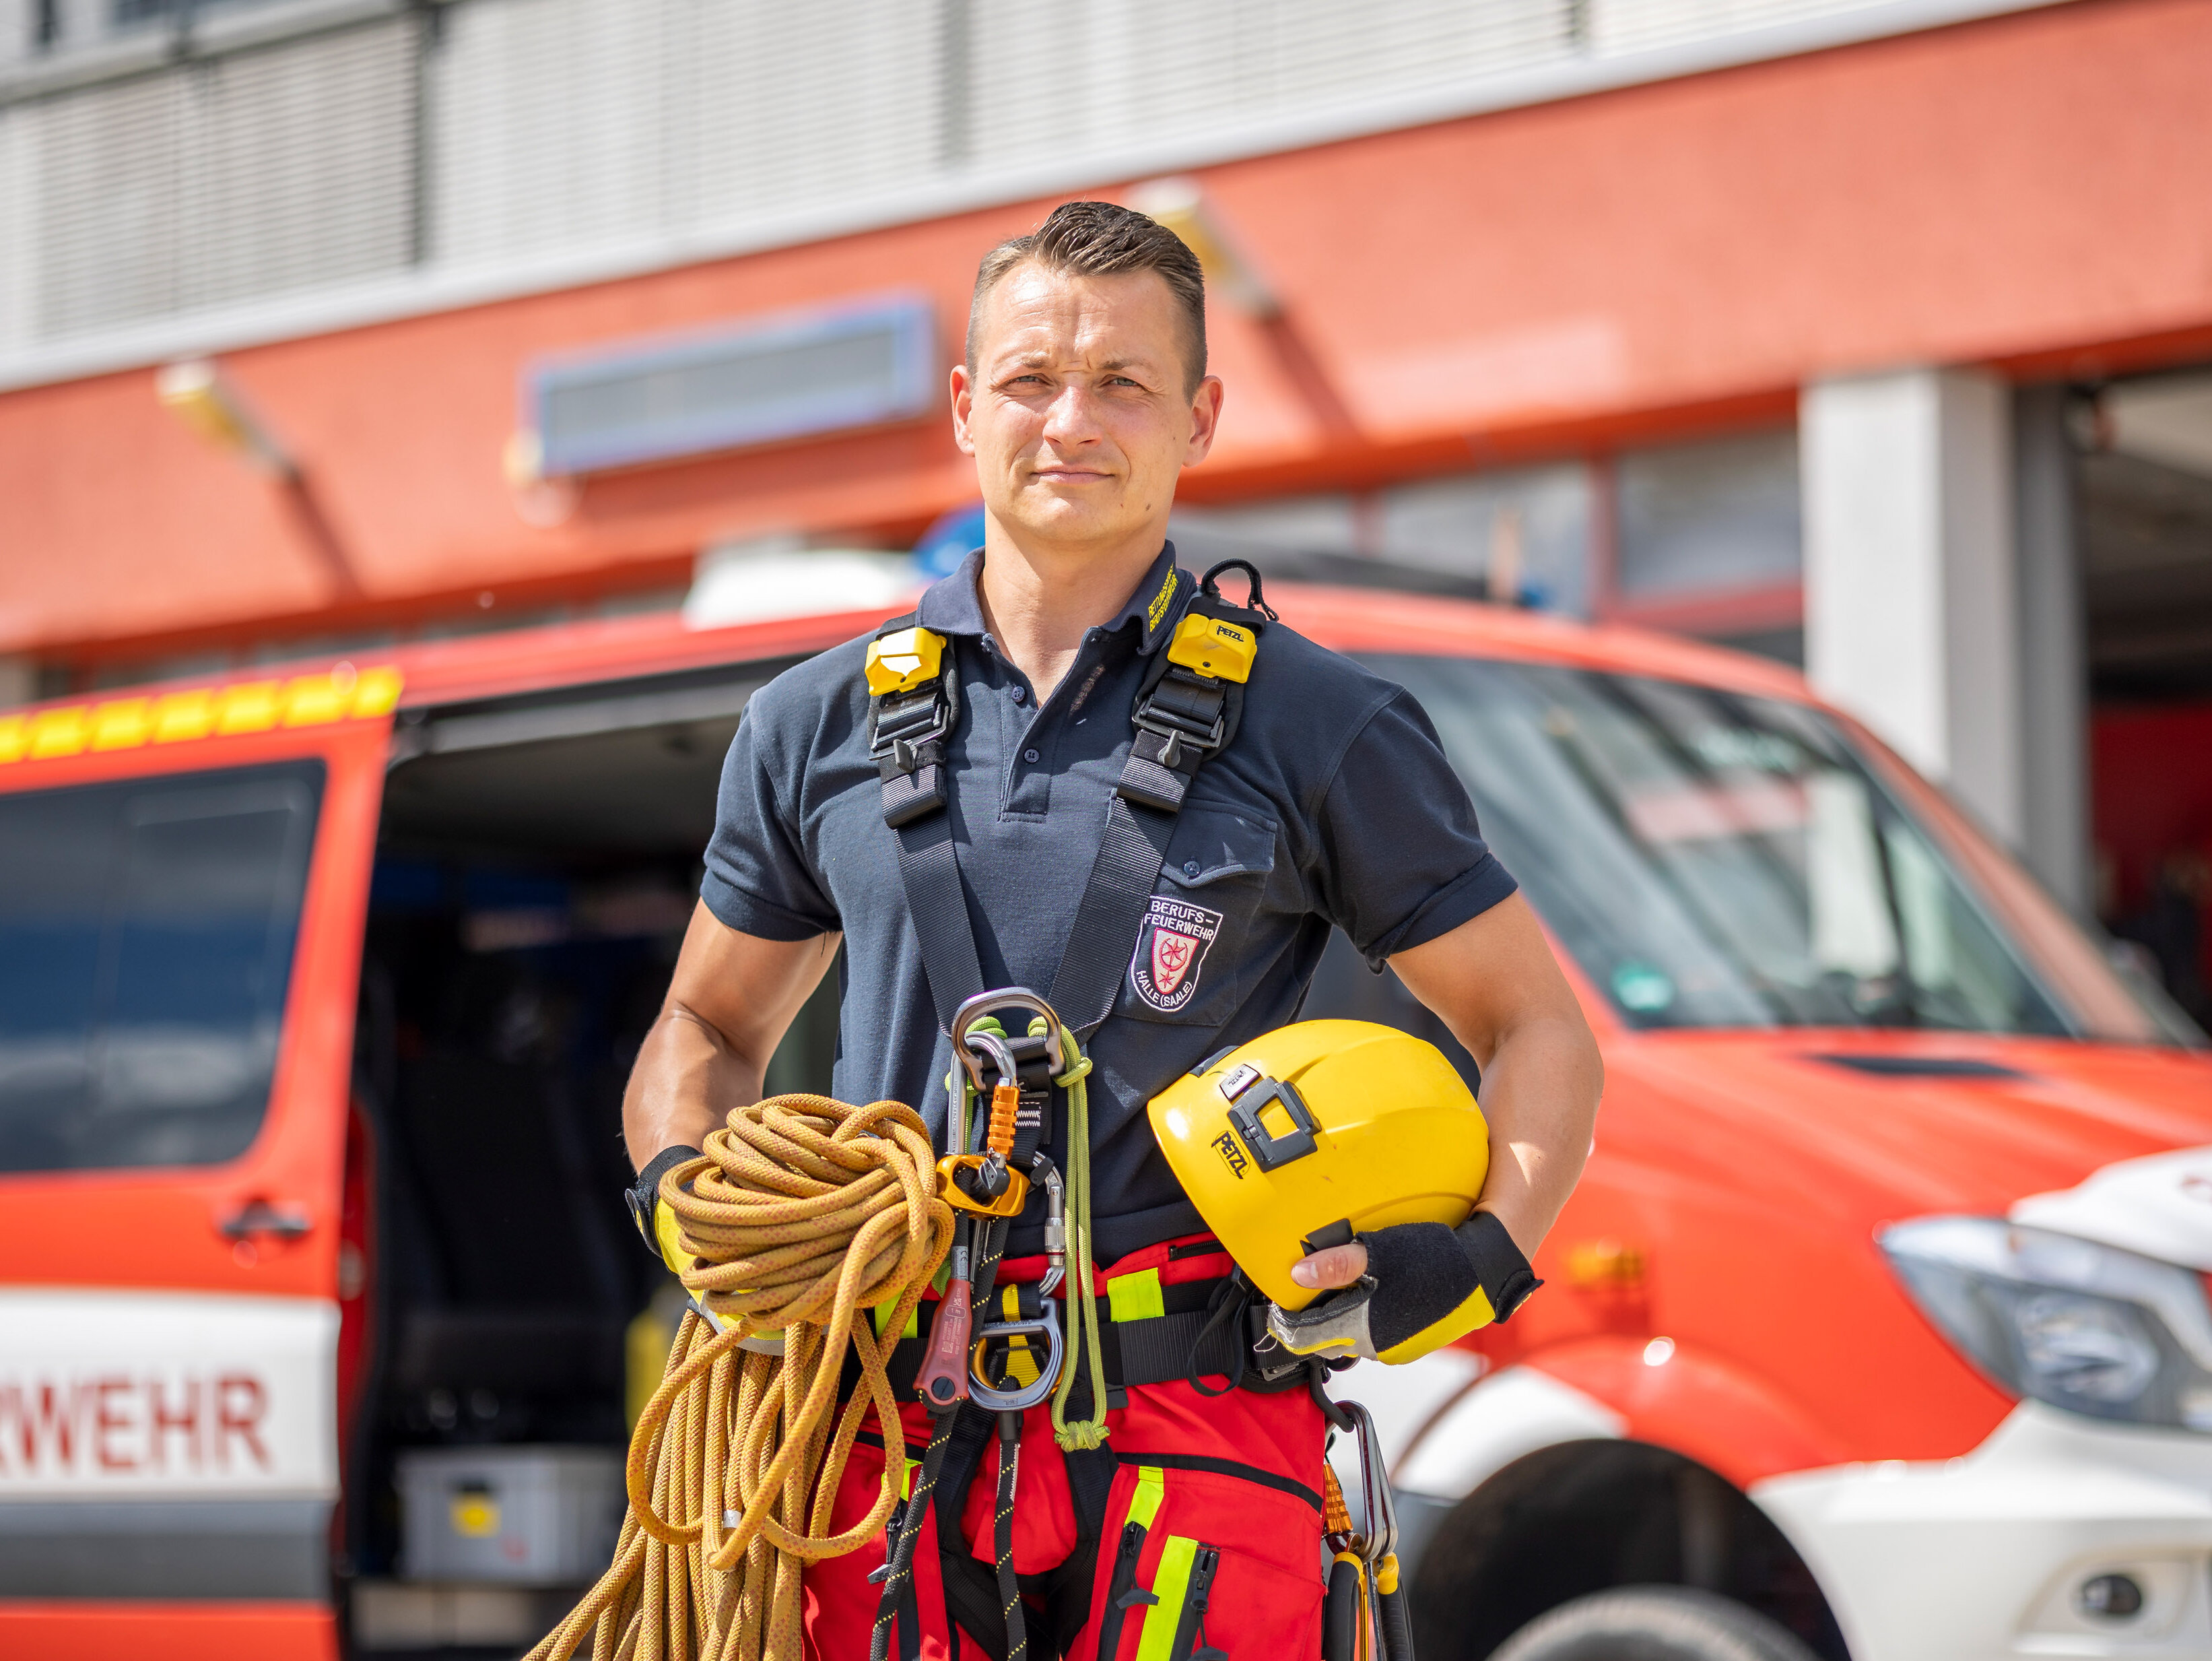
1103 239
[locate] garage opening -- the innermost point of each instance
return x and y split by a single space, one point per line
536 865
2145 514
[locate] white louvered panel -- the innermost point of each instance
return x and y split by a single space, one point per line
776 106
564 124
1295 56
299 165
258 173
106 204
1046 81
1133 72
1619 26
547 124
18 246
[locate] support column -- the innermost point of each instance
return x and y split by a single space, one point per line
2053 650
1911 610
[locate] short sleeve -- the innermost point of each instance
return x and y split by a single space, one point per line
758 880
1403 860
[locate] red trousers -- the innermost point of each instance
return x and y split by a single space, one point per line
1215 1517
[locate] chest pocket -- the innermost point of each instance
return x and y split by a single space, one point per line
1198 934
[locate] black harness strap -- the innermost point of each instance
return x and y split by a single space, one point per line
1181 719
907 736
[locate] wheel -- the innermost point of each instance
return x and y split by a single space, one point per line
1652 1623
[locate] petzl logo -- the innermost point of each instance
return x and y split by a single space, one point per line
1233 1154
1171 948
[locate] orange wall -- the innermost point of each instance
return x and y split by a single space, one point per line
2023 191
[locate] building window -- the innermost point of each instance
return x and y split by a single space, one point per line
1521 536
1700 538
1707 540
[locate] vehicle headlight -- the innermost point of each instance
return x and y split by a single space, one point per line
2062 1320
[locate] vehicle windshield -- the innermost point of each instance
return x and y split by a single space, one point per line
1716 860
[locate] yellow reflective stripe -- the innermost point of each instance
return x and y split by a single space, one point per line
123 725
1170 1584
1152 1489
1475 1311
202 712
905 1483
183 716
251 707
59 732
1136 1297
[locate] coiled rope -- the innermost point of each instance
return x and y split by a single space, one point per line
820 1222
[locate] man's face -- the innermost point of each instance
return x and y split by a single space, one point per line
1078 411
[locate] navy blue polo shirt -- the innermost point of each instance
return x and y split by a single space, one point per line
1334 805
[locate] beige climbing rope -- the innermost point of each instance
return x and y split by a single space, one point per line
820 1222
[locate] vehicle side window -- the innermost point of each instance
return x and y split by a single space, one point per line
146 938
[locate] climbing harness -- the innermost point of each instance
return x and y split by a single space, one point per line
811 1226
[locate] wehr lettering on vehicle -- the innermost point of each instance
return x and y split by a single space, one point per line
154 1393
122 1422
1170 948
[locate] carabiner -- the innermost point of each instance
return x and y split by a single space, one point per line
1378 1546
1379 1513
984 1394
980 1182
1043 1172
1005 997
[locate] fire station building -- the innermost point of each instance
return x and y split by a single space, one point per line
1869 334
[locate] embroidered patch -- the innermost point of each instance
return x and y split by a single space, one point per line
1170 948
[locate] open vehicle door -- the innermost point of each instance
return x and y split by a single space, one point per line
183 881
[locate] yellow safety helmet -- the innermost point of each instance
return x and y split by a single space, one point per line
1319 1124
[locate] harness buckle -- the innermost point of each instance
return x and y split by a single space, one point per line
907 730
1044 1324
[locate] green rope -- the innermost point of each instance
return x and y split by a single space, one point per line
1082 1298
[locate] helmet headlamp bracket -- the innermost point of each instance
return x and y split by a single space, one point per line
1269 1151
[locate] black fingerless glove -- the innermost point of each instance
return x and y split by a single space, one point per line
1426 1285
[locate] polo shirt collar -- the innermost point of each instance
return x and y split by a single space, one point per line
952 604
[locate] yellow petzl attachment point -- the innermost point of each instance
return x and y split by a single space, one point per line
1211 647
902 661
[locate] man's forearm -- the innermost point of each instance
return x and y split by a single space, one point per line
1539 1094
686 1080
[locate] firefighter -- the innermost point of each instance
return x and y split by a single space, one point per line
1079 769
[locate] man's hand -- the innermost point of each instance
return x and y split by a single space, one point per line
1339 1265
1495 983
729 1003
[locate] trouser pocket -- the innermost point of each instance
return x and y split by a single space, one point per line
1205 1563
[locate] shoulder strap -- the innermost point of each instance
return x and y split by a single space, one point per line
1186 711
914 699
